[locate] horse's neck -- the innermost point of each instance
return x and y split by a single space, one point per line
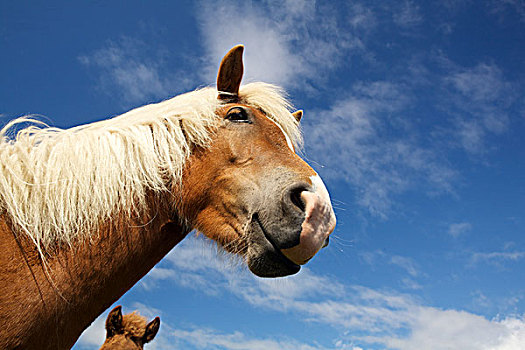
48 305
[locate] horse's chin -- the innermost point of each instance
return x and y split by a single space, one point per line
263 258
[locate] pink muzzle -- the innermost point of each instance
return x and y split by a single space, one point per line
318 224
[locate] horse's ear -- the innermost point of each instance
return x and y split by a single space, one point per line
114 322
230 74
151 330
298 115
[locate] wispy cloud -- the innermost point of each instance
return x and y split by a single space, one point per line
287 42
407 14
409 283
134 71
394 320
362 18
378 151
480 96
497 257
205 338
406 264
502 7
458 229
95 335
436 329
380 257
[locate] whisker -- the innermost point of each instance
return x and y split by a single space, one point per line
344 242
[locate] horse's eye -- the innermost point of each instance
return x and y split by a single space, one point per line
238 115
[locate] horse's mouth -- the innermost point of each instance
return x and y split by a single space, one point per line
269 260
269 239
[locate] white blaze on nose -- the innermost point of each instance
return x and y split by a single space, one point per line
318 224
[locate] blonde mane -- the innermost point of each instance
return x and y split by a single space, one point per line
134 324
58 185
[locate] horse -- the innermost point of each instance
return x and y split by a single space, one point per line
86 212
129 331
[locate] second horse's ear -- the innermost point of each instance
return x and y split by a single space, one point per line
230 74
151 330
114 322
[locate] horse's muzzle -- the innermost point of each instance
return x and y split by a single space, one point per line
282 235
318 224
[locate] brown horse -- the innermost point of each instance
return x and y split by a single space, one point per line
128 332
86 212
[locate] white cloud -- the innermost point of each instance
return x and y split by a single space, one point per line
286 42
455 5
502 7
409 283
134 71
361 17
197 264
365 315
379 256
205 338
95 335
481 96
405 263
482 83
436 329
377 149
497 257
147 311
407 15
480 300
458 229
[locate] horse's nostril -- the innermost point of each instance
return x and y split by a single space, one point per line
295 197
326 241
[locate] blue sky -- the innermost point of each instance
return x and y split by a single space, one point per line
414 117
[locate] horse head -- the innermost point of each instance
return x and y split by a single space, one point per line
248 189
129 331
